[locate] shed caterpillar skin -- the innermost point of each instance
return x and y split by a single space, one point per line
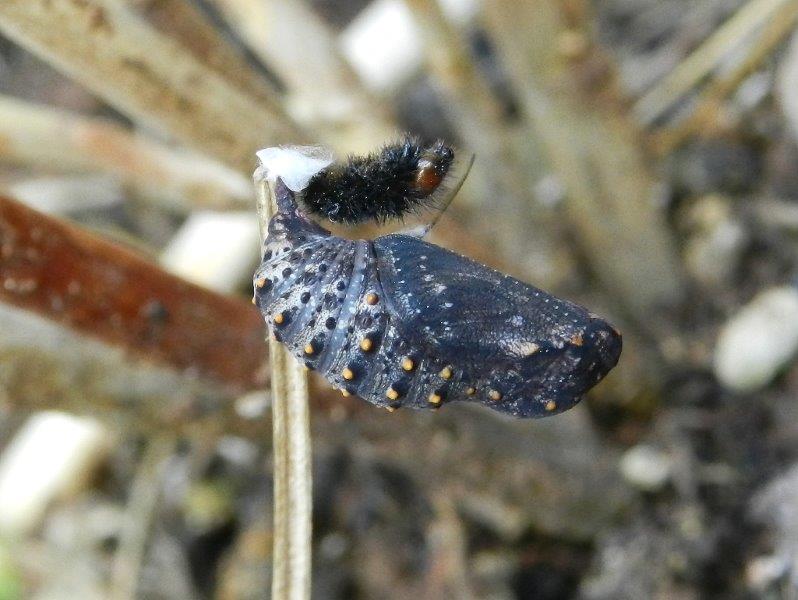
401 322
402 177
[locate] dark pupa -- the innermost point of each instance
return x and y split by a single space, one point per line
401 322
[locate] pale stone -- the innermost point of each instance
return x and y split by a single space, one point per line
759 341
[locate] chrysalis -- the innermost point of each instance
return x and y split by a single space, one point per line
402 322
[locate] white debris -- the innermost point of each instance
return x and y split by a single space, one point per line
759 341
383 45
762 572
51 455
295 165
646 467
214 249
253 405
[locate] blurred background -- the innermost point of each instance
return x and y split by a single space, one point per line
637 156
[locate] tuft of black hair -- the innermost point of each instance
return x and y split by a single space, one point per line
399 179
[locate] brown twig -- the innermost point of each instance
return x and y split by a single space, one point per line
289 37
780 25
142 506
50 139
147 75
705 58
182 20
579 120
77 279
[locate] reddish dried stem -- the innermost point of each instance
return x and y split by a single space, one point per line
91 285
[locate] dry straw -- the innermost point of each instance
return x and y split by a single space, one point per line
292 453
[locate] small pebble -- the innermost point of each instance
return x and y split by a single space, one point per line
51 455
214 249
252 405
759 341
646 468
763 572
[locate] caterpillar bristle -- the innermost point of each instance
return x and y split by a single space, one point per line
403 177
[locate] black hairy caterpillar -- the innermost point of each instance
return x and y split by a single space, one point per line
402 322
402 177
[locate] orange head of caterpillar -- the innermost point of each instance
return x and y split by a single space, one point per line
432 167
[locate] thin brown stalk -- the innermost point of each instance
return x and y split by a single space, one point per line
705 58
292 455
289 37
51 139
568 95
182 20
780 25
139 516
147 75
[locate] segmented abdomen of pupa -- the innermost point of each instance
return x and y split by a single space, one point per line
321 297
401 322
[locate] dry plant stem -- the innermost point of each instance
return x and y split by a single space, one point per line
781 24
595 152
292 456
184 21
475 110
706 57
42 137
80 280
324 92
49 367
147 75
95 378
141 508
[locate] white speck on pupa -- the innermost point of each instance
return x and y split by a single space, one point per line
439 289
447 304
518 348
428 277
